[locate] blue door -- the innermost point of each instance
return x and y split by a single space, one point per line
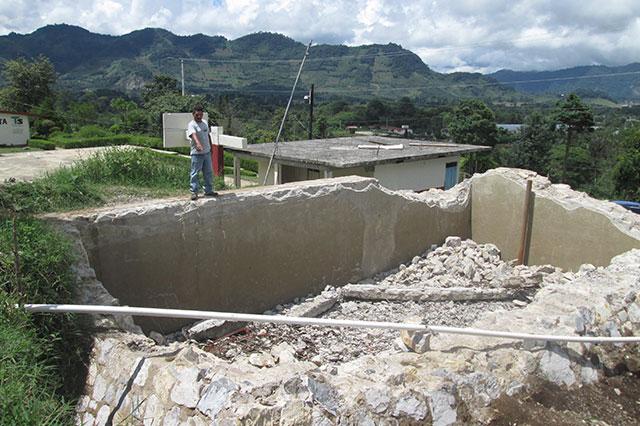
450 175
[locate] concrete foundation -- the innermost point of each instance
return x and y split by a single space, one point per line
251 250
248 251
568 228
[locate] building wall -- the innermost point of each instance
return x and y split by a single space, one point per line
251 250
14 129
415 175
412 175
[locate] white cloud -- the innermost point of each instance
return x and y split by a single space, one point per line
449 35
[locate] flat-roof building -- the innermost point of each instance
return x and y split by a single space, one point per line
396 163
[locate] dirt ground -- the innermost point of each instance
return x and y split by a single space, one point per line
613 401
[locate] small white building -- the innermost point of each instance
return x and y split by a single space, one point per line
397 163
14 128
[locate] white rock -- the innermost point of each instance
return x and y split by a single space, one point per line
556 367
284 353
172 418
634 313
103 415
88 419
453 242
99 388
153 411
216 396
443 408
409 405
186 391
377 399
261 360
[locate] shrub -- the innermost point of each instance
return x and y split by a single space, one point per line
92 131
41 144
96 141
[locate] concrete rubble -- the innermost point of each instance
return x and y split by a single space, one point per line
350 232
284 382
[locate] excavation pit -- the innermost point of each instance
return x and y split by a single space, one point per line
258 250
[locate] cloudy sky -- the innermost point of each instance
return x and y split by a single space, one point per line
453 35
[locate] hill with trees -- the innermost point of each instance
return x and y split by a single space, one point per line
614 83
262 64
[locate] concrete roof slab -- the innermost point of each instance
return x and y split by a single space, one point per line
344 152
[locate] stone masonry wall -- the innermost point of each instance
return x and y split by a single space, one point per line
133 381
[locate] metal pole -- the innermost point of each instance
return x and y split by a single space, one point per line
311 113
525 222
284 117
283 319
182 74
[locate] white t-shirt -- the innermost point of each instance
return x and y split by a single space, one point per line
202 130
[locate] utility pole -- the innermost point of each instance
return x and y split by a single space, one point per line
182 74
311 113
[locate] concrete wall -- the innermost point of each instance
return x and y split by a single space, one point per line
567 228
414 175
250 250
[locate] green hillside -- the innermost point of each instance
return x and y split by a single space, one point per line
261 63
597 81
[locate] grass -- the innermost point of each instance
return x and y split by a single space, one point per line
90 182
41 356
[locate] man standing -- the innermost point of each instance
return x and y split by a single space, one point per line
198 132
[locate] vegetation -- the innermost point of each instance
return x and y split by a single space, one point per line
37 351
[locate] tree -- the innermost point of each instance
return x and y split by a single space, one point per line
532 149
577 118
132 118
626 172
29 83
472 122
160 85
376 110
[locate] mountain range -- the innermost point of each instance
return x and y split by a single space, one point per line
266 64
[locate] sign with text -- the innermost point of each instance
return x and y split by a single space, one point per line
14 129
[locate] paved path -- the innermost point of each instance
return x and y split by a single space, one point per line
29 165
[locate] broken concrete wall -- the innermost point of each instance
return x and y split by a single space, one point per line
568 228
251 250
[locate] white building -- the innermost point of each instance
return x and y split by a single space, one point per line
14 128
396 163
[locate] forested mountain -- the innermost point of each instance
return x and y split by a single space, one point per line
616 83
261 63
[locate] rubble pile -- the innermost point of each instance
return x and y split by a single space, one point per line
456 264
460 263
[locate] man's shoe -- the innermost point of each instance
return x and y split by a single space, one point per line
194 196
211 194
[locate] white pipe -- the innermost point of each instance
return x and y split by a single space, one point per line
282 319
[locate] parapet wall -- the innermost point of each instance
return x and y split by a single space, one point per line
251 250
568 228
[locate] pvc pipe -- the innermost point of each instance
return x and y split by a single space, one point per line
282 319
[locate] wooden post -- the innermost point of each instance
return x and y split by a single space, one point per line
525 222
236 171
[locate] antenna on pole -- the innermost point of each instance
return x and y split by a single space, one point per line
284 117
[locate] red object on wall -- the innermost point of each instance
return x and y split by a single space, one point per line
217 157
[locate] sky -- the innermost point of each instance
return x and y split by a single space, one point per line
454 35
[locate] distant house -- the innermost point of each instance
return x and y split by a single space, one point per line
511 128
396 163
14 128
